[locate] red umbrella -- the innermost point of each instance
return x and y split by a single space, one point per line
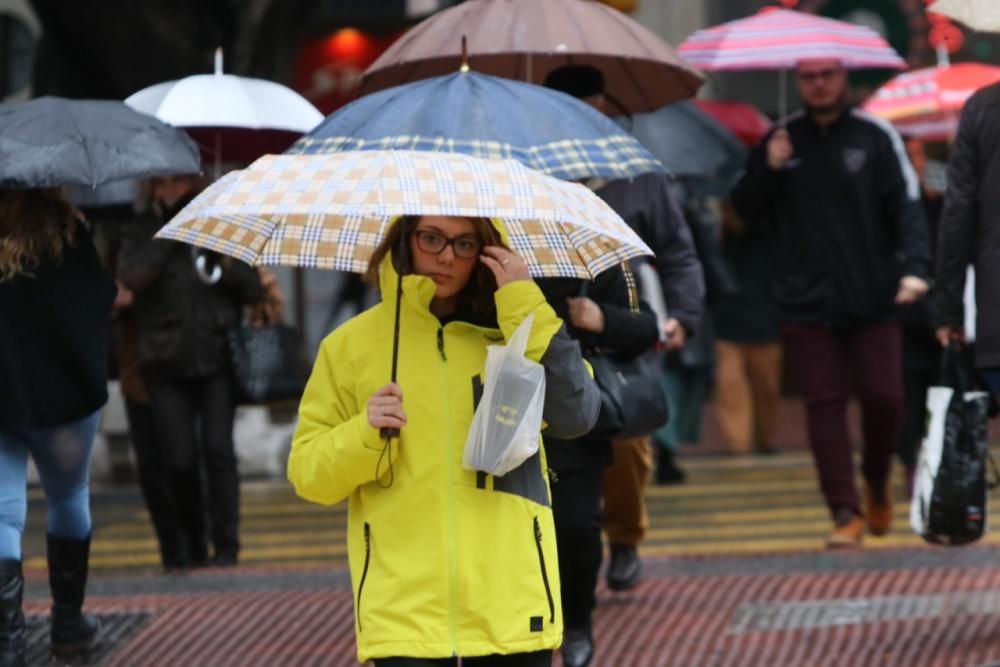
527 39
742 119
926 103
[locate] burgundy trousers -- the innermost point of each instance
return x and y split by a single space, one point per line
827 364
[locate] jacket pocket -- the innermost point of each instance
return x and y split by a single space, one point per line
364 572
545 574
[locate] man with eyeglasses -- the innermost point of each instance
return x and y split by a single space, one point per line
836 191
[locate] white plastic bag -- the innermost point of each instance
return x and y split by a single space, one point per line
505 427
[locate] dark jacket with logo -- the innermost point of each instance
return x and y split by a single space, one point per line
970 226
845 217
183 322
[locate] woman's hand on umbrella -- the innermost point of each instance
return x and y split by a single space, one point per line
385 407
506 266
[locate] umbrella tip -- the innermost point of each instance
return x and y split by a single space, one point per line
464 67
218 61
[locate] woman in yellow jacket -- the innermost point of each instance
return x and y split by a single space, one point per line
445 562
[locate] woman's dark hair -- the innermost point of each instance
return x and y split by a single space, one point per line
477 294
35 225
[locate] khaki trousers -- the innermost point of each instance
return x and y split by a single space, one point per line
625 518
747 391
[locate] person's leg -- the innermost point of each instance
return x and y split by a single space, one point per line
698 386
914 416
732 397
217 415
172 403
416 662
625 517
576 510
13 509
534 659
62 456
13 492
155 485
877 362
819 357
668 437
764 370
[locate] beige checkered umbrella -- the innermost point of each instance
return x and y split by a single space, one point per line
330 211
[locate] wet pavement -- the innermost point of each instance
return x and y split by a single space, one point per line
735 574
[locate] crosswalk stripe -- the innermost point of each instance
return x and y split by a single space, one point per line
728 506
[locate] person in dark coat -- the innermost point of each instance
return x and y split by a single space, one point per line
850 243
970 232
647 204
609 317
921 352
748 342
187 302
53 382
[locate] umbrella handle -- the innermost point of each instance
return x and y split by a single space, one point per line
387 433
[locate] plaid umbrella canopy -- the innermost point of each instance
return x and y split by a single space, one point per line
490 117
331 211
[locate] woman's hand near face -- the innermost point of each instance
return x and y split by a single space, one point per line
506 266
385 408
585 314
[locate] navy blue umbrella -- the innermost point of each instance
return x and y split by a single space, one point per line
51 141
490 117
690 143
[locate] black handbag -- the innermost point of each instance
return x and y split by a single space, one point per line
267 363
633 402
632 399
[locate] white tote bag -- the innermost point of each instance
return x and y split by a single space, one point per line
505 428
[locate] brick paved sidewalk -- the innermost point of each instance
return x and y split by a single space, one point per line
911 608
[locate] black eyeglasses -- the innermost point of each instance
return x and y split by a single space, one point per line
434 243
819 75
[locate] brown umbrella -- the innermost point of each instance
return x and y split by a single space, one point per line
527 39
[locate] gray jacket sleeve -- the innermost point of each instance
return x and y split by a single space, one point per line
677 261
572 399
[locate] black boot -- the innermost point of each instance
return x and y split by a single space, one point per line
11 617
73 632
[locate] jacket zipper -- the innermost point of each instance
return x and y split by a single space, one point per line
441 344
364 571
452 549
545 574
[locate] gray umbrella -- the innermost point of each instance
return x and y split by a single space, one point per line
51 141
689 142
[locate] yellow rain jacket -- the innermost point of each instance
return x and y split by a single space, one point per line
444 561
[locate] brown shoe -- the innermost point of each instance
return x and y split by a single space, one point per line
878 509
847 530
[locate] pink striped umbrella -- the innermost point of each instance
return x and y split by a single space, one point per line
926 103
777 39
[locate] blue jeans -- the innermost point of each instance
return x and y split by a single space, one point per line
62 456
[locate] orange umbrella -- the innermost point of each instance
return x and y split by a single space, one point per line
926 103
527 39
